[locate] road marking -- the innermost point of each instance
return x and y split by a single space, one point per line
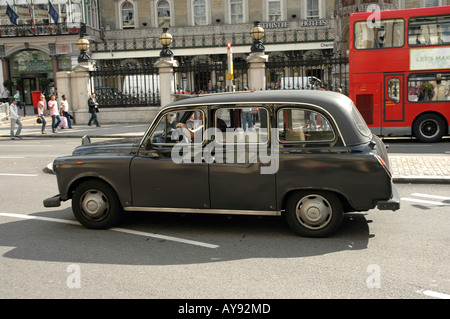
170 238
121 230
12 157
431 196
424 201
435 294
431 202
20 175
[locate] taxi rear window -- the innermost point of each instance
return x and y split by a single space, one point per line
360 123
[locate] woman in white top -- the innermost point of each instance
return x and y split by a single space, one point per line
65 111
42 113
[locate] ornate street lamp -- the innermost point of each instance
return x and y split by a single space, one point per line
166 40
83 45
257 33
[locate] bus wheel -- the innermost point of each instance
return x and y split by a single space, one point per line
428 128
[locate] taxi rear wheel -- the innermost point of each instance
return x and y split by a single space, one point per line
314 213
95 205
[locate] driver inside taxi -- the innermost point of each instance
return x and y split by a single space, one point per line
197 129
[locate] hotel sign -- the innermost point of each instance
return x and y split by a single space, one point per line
429 59
303 23
274 25
314 23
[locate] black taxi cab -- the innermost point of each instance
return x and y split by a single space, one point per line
305 155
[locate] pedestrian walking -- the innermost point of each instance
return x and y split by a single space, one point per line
65 111
5 95
42 113
17 97
54 112
15 119
93 109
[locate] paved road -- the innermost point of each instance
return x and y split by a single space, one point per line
45 253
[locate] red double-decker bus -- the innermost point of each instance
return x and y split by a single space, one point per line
399 72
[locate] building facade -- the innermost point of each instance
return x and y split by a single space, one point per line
34 49
125 34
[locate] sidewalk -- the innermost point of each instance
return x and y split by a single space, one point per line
405 168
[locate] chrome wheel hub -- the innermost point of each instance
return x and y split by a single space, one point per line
94 204
314 212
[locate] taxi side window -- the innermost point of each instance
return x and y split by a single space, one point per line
303 125
243 124
174 127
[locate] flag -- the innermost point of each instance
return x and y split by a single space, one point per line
13 16
30 10
52 11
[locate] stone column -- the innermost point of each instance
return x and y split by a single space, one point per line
5 65
166 78
64 86
81 89
55 70
257 71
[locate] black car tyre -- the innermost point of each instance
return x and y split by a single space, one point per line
429 128
314 213
95 205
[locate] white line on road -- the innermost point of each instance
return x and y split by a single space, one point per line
12 157
121 230
435 294
19 175
431 196
424 201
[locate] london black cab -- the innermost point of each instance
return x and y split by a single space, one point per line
307 155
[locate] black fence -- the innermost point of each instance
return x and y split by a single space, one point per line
129 84
209 75
138 84
297 71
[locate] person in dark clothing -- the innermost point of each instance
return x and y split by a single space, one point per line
93 109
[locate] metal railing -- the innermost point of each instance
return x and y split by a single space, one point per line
117 85
215 40
44 29
325 70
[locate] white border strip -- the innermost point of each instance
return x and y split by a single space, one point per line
435 294
121 230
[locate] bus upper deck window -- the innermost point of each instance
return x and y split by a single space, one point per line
425 31
383 34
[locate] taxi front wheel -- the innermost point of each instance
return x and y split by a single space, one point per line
314 213
95 205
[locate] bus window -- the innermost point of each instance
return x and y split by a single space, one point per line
383 34
425 87
394 89
429 31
